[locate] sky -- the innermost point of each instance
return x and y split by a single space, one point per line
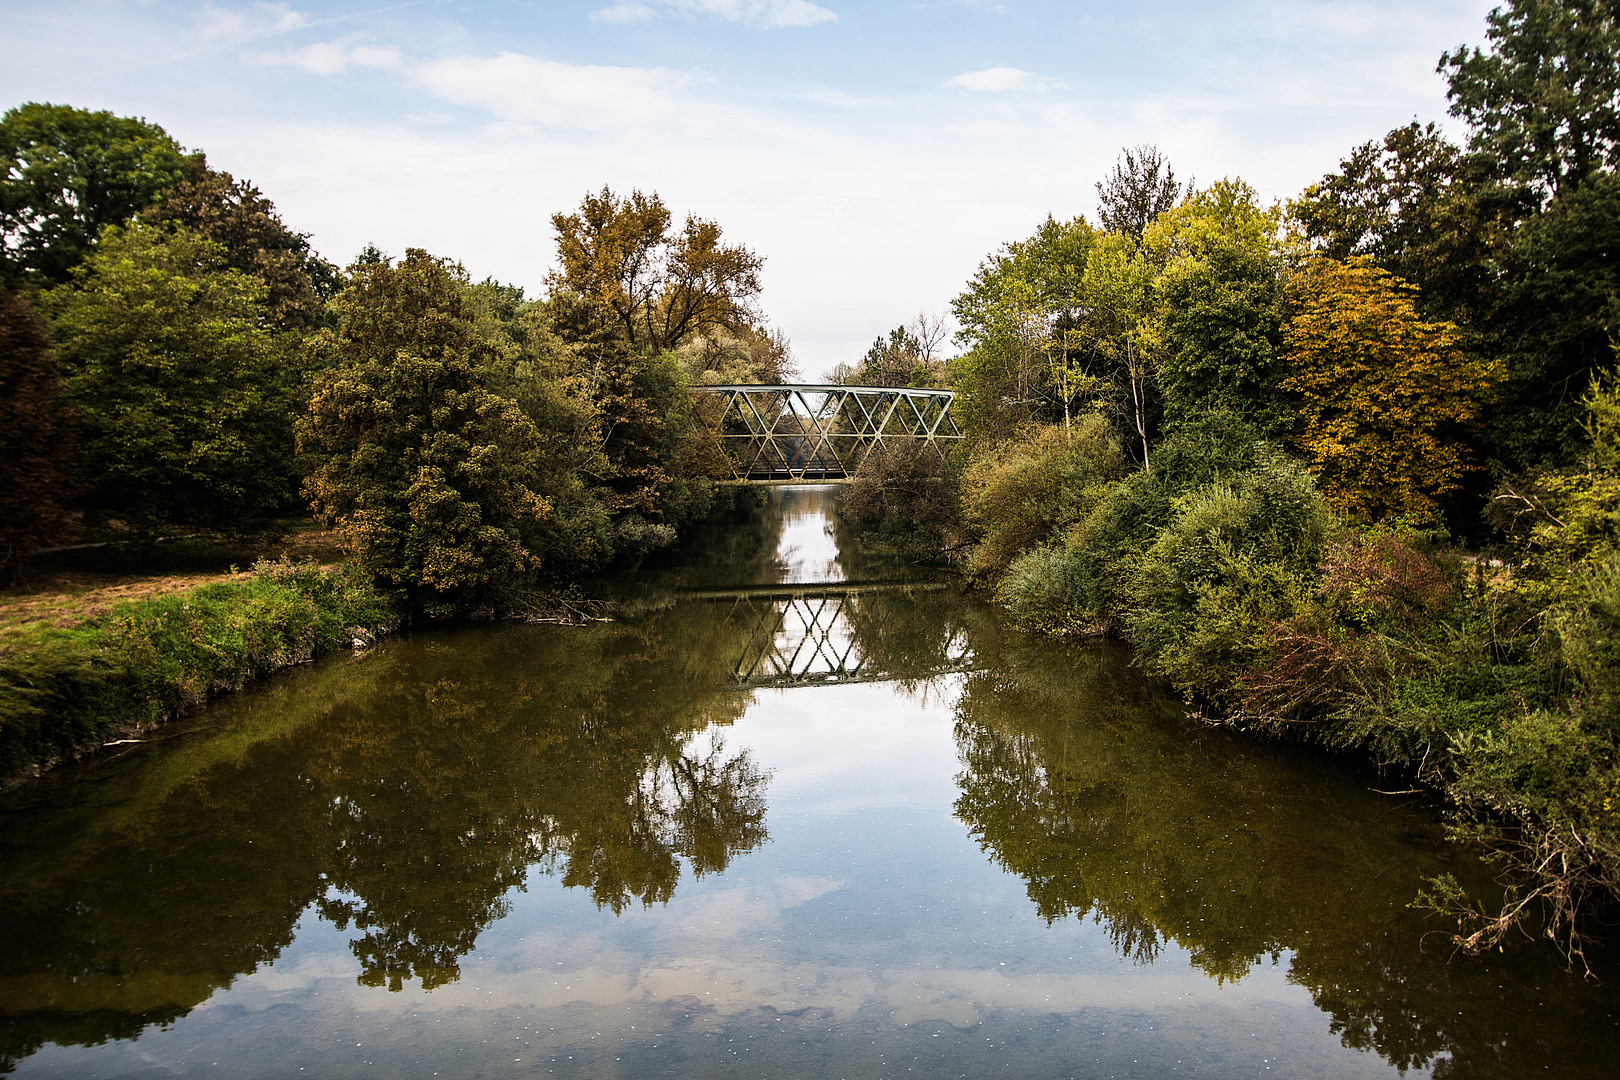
873 153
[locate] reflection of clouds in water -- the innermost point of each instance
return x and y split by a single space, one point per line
806 549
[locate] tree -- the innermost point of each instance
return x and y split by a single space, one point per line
66 174
1424 210
1381 390
428 474
36 439
166 359
1119 328
1141 187
1544 103
1016 318
635 282
1219 306
236 215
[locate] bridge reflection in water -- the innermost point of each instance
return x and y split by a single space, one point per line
834 633
821 434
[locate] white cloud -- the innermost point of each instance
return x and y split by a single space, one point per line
235 25
1003 80
524 89
769 14
337 57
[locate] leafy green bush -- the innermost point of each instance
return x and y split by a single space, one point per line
1050 589
64 691
1237 557
1018 494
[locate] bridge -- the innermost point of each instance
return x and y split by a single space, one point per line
834 633
819 433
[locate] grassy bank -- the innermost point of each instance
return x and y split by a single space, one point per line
66 690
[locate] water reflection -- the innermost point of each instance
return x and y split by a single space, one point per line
415 798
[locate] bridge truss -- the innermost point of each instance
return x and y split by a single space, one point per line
809 434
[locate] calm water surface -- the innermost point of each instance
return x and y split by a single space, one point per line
795 813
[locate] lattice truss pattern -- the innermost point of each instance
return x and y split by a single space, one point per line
812 639
793 434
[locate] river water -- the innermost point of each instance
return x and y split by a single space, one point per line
795 812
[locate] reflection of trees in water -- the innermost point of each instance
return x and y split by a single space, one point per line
404 796
1076 779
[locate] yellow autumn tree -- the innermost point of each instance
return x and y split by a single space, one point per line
1381 386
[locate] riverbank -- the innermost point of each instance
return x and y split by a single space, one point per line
80 670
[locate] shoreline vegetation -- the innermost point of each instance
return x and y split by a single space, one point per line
1344 469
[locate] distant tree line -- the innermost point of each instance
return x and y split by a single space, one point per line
1346 467
176 358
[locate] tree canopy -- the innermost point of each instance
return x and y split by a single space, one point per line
66 174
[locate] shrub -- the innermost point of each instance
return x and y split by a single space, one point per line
1051 589
905 497
1019 493
1236 558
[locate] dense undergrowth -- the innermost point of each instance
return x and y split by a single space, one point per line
66 691
1490 677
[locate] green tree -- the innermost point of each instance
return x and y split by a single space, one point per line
66 174
1120 332
428 474
1016 318
1381 390
236 215
36 439
1220 306
1544 102
165 356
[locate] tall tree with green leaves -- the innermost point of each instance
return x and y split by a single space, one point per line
429 475
36 439
236 215
1220 306
66 174
1017 318
1382 391
1544 101
165 357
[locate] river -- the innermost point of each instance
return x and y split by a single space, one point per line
794 812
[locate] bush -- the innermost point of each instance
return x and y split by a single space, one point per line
1019 493
1237 558
1051 589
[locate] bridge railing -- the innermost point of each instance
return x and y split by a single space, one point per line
808 433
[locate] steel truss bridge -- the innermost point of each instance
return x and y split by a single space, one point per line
815 635
821 434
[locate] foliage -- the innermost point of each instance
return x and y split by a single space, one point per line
67 690
66 174
751 356
182 415
430 476
906 497
1021 492
635 282
1381 389
236 215
36 439
1544 102
1141 187
1015 318
1235 558
1219 306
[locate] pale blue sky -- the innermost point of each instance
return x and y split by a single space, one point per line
872 152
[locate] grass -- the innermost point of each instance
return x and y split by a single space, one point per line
103 642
